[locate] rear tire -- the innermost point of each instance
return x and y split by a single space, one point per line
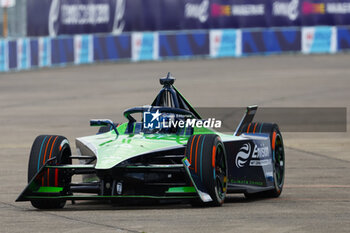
207 156
278 159
46 147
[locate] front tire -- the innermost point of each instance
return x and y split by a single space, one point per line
46 147
208 159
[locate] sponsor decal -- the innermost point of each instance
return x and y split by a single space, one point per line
259 156
187 163
243 155
83 49
249 182
23 54
81 14
338 7
197 11
3 55
93 13
309 8
44 46
53 17
319 40
119 23
248 9
218 10
157 120
323 8
260 153
259 163
145 46
286 9
119 188
225 43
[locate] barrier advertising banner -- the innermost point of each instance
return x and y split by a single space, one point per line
23 54
319 40
44 51
55 17
58 17
145 46
83 49
3 55
26 53
225 43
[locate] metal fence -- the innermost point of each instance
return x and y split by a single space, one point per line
16 18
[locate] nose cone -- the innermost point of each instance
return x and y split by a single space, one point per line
111 151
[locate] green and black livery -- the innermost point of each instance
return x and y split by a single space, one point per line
130 161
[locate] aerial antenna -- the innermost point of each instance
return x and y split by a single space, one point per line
167 81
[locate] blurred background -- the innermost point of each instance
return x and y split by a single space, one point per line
60 32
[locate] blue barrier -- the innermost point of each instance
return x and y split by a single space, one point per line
34 53
271 41
110 48
343 39
62 50
184 44
26 53
12 54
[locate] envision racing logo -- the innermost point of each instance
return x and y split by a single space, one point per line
157 120
260 155
243 155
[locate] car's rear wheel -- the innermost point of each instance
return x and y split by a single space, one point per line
278 160
207 156
46 147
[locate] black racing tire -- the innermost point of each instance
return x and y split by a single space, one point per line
207 155
105 129
278 158
44 148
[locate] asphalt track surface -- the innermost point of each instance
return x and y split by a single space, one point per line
316 197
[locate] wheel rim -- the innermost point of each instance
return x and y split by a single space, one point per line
220 171
279 161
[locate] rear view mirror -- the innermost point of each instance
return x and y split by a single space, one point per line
103 122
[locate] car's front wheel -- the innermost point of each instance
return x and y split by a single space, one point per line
44 148
207 156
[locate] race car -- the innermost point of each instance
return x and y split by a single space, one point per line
164 151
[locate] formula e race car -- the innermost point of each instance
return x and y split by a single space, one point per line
164 151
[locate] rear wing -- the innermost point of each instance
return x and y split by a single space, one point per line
246 119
